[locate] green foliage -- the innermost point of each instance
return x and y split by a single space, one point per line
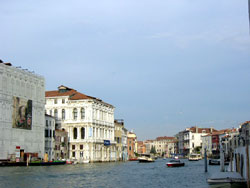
153 151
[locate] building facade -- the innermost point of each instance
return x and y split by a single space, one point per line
164 145
141 147
119 124
89 122
190 140
131 142
124 144
21 113
49 136
61 145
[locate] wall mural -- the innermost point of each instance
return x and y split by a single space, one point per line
22 113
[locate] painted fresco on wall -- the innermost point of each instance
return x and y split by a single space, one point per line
22 113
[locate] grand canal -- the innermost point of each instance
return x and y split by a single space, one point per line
119 174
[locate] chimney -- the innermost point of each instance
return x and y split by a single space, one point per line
211 129
196 129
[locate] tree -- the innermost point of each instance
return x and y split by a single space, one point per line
153 150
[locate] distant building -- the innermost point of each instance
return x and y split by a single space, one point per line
141 147
49 136
190 139
164 145
119 125
21 113
148 145
61 144
211 142
124 144
131 139
89 122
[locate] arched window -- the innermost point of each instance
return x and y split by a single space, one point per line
82 133
55 113
82 113
75 113
63 114
75 133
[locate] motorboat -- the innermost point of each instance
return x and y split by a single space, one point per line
145 159
175 163
194 157
216 162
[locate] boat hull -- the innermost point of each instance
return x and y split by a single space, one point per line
5 164
145 161
175 164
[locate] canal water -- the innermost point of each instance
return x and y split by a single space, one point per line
116 174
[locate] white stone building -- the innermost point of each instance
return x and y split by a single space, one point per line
49 136
124 144
164 145
21 112
191 139
89 122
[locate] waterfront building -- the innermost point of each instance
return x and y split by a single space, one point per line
211 142
164 145
89 122
171 148
148 145
61 145
238 150
141 148
131 140
49 136
119 124
190 140
124 144
21 113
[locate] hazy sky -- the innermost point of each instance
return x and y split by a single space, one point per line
164 64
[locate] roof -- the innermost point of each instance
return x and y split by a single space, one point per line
165 138
71 93
200 130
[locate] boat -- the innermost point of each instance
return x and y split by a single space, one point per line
34 163
133 159
145 158
85 161
226 179
216 162
175 163
194 157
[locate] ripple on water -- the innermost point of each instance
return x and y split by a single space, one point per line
102 175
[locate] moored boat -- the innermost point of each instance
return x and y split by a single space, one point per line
144 158
175 163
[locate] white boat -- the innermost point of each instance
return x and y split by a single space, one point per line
85 161
194 157
145 158
226 179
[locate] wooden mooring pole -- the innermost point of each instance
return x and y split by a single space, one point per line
205 159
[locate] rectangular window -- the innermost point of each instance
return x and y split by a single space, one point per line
47 123
81 146
193 137
73 154
63 101
73 147
55 101
130 148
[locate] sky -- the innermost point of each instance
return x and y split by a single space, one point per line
164 64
